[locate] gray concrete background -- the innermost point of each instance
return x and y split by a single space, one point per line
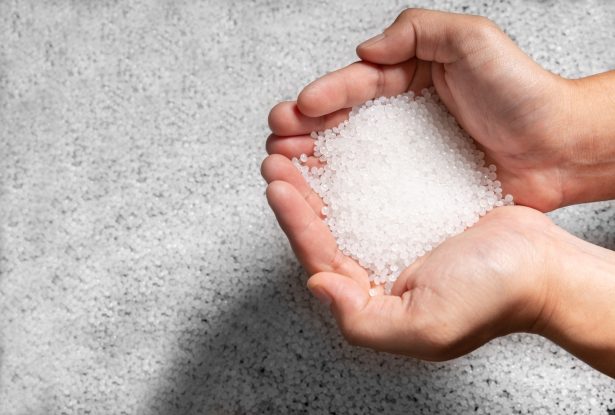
140 268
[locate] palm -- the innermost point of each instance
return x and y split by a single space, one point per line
452 294
472 282
515 121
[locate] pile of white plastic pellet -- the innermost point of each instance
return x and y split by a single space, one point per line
397 178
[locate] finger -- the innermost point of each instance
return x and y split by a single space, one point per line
422 77
439 81
285 119
406 280
309 236
428 35
277 167
354 85
290 146
346 297
381 322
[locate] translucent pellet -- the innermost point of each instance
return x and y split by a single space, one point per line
398 178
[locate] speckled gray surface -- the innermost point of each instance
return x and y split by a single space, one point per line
141 270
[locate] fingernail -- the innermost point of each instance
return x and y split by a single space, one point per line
322 296
372 41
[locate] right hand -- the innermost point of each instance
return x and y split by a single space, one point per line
516 110
489 281
512 271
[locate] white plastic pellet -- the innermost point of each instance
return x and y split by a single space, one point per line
400 176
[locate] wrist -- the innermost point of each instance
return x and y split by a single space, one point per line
560 260
536 279
575 309
540 293
588 139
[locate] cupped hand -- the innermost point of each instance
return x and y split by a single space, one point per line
488 281
517 111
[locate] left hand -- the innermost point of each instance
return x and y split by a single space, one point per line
520 115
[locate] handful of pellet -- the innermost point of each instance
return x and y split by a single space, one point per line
398 178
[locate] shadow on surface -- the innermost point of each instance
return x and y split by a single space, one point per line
277 352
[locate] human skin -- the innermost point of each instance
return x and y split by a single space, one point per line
552 141
550 137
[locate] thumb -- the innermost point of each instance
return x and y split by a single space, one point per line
378 322
428 35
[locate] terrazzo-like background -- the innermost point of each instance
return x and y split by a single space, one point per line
141 271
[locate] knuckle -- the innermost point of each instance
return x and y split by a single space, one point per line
484 27
411 13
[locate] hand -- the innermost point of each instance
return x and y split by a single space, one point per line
486 282
553 142
517 111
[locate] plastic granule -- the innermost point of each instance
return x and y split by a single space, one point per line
398 178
